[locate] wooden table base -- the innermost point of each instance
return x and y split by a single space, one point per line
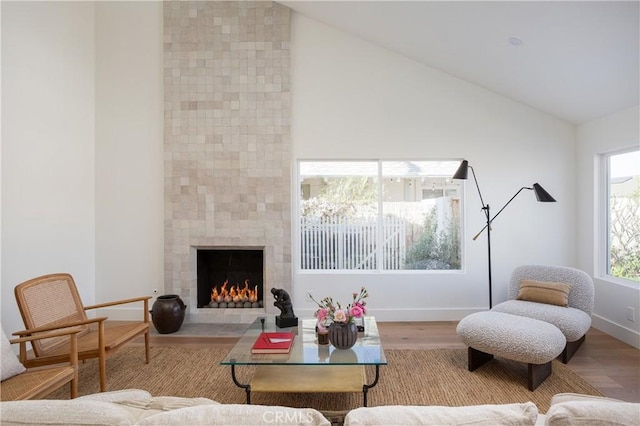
306 379
302 378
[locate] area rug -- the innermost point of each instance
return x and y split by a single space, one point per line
412 377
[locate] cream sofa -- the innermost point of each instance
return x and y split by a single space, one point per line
566 409
137 407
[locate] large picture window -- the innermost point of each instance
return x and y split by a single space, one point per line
379 215
622 212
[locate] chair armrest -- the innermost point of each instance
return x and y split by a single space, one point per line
118 302
72 332
145 310
58 326
68 330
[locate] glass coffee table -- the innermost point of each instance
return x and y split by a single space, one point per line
308 367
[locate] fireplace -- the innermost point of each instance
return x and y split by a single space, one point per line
227 167
230 278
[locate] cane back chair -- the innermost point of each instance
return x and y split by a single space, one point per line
52 302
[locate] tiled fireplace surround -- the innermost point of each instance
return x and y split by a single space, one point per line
226 143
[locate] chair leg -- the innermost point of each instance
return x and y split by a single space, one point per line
103 373
570 349
102 357
476 358
73 360
537 373
74 387
146 347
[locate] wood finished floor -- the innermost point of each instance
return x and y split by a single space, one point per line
610 365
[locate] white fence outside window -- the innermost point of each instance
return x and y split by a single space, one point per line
351 243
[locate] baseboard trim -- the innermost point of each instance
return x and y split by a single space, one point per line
399 315
613 329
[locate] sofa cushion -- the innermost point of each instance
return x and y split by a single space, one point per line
9 364
593 413
141 399
158 404
571 397
577 409
113 396
512 414
126 407
238 414
544 292
66 412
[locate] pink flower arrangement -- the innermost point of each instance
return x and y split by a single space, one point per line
330 311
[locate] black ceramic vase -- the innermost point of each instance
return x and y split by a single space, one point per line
343 336
167 313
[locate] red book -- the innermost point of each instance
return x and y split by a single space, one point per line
273 343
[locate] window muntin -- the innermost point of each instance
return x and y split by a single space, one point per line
379 215
622 215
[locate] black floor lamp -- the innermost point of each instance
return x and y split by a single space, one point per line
541 195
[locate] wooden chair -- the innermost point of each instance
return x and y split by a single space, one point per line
38 383
52 302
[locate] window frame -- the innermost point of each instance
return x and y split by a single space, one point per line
297 264
604 208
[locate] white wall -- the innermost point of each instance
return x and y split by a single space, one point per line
129 152
82 178
611 133
352 99
48 146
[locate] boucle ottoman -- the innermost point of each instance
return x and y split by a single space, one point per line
522 339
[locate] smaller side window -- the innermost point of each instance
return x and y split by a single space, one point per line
623 215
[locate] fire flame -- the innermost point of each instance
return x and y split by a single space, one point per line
235 293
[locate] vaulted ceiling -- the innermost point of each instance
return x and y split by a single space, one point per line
576 60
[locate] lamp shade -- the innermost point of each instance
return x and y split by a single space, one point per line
463 171
542 195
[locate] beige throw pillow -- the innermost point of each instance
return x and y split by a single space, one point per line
544 292
10 365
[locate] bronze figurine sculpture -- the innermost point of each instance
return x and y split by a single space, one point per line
287 317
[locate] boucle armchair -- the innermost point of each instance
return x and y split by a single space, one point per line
573 320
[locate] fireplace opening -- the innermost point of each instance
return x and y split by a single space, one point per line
230 278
